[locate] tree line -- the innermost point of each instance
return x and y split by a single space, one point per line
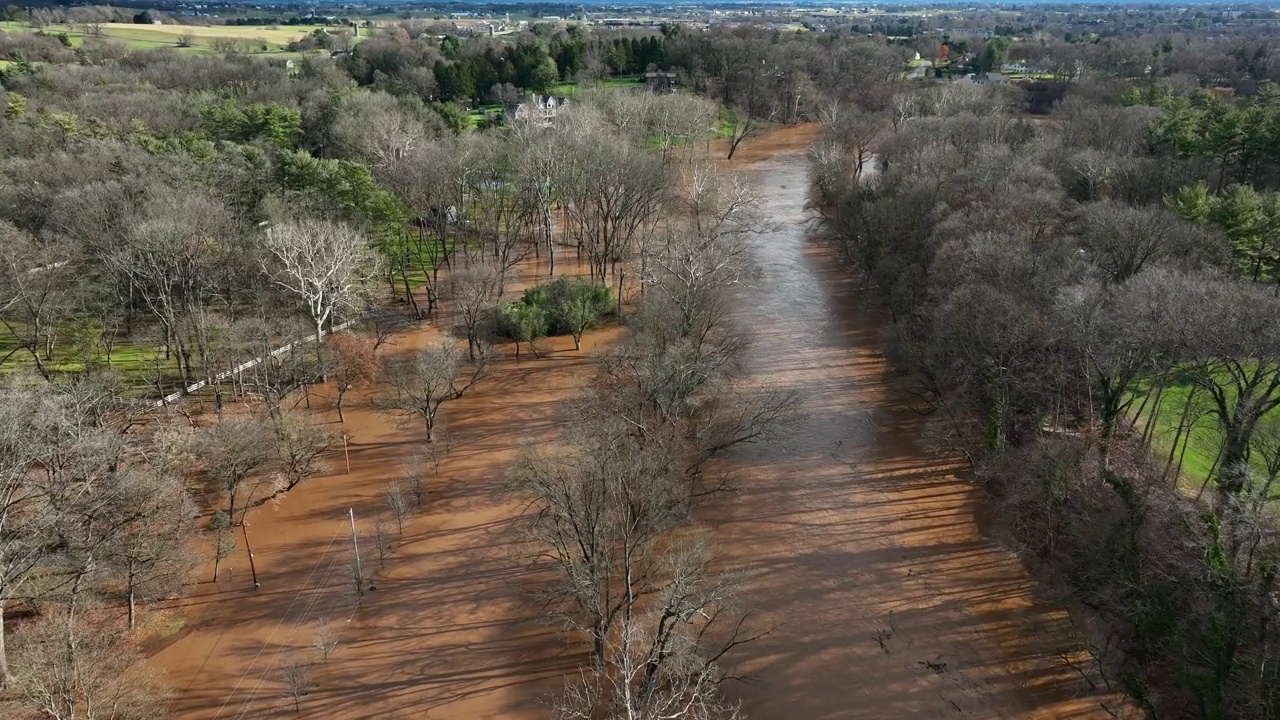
1072 303
611 502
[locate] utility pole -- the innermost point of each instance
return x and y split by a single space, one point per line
346 454
244 528
355 544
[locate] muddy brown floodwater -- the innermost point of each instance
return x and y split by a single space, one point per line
861 549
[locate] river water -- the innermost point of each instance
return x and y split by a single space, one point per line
862 551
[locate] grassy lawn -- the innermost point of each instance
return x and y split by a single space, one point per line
136 360
1197 448
275 40
1200 445
569 89
477 115
417 277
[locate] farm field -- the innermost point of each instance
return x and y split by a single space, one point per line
203 38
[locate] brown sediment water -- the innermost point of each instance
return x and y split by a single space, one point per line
862 551
449 631
861 548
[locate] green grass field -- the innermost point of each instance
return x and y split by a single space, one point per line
188 38
569 89
1197 448
135 360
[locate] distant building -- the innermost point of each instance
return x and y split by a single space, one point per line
987 78
661 82
541 110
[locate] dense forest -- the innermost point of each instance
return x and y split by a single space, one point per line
1073 300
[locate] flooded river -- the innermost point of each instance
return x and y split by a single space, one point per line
864 557
860 548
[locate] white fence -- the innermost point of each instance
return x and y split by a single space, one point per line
240 368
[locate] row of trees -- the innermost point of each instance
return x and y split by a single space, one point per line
763 74
1049 289
611 502
466 72
99 514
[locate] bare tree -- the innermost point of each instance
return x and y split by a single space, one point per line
605 511
325 640
599 509
29 421
357 576
397 503
414 472
664 661
171 258
748 87
350 361
330 267
151 521
503 218
103 676
233 453
35 279
475 292
432 181
224 539
279 372
855 134
296 675
422 381
1122 240
383 323
1227 333
299 446
612 194
380 538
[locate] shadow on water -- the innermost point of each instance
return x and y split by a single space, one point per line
862 549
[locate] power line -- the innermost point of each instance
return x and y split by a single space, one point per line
283 617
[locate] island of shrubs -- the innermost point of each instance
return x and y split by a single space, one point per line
562 307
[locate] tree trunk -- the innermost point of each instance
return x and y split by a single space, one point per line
1233 471
551 244
6 677
408 292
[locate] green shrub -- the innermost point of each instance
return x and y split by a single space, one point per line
522 323
562 307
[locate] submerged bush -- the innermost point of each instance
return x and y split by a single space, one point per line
562 307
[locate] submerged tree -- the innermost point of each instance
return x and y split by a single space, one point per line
421 381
